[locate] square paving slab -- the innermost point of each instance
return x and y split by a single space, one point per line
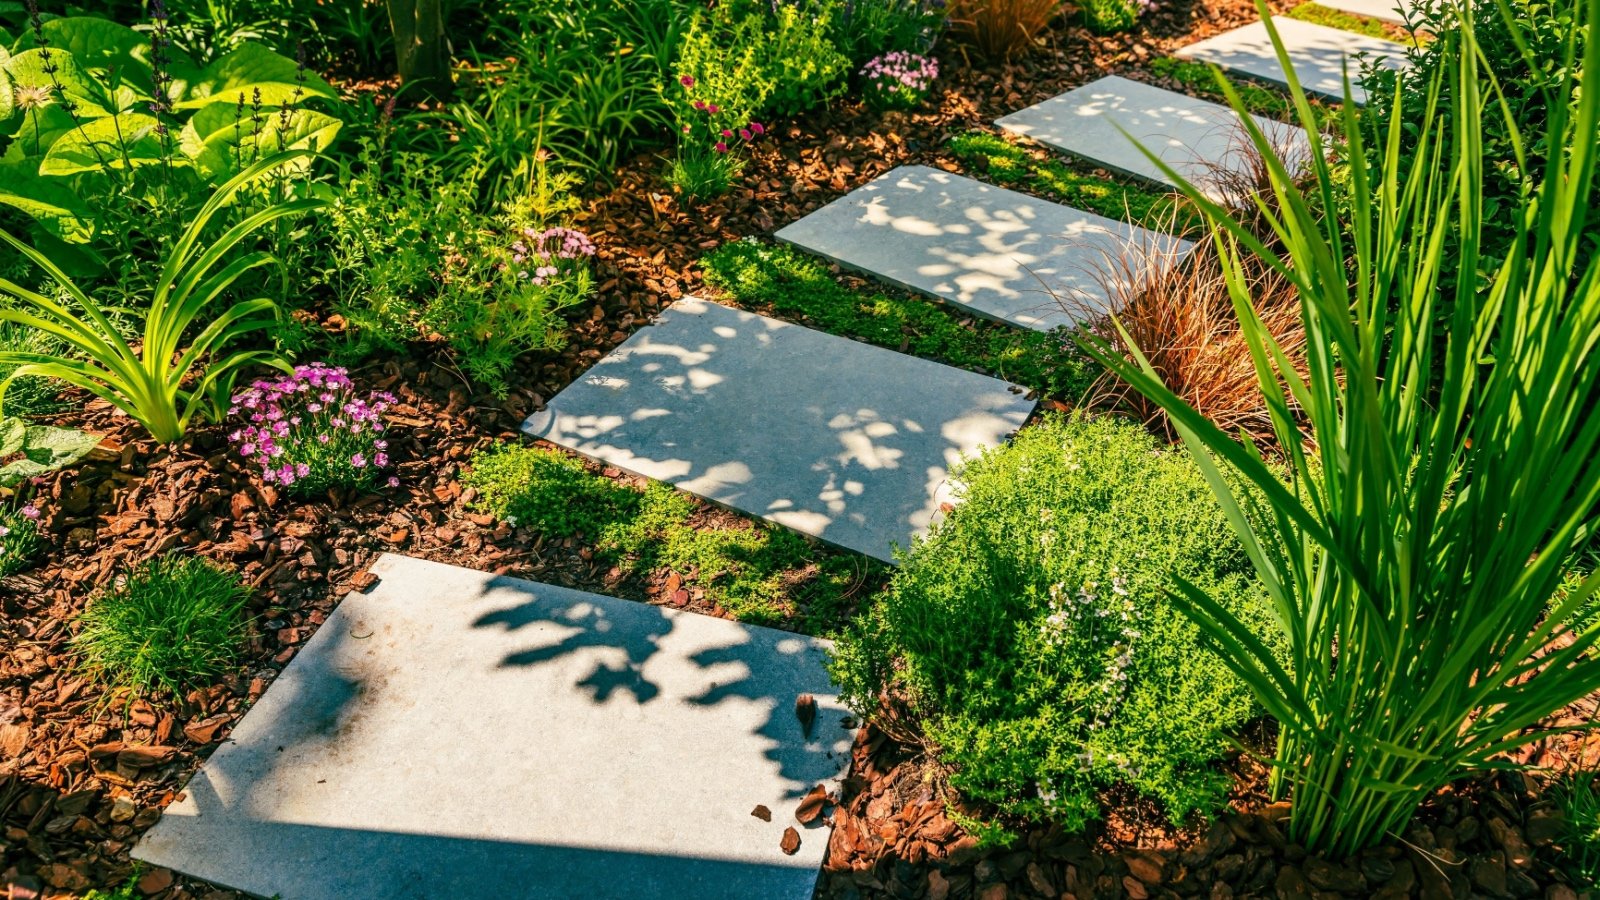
837 439
457 734
1318 53
996 252
1194 137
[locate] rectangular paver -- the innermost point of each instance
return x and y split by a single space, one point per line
457 734
998 253
1318 53
1203 141
837 439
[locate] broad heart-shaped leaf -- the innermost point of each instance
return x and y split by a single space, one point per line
115 142
36 131
46 448
88 96
104 45
46 200
247 69
13 432
219 156
8 103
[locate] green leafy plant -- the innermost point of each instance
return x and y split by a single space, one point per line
1412 554
186 360
169 624
1030 636
1111 16
110 116
412 255
1522 67
863 29
757 573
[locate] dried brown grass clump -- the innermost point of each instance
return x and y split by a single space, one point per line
1001 28
1178 313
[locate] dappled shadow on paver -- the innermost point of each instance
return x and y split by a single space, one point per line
454 718
845 442
996 252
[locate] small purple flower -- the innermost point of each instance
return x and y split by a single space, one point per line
30 512
686 80
358 460
722 146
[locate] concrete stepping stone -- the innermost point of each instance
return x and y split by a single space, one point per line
1317 52
998 253
836 439
456 734
1203 141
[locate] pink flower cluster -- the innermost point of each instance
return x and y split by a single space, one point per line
311 430
898 72
912 70
544 248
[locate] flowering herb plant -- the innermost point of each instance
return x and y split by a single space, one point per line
898 79
312 430
710 137
19 534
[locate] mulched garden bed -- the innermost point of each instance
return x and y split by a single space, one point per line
81 777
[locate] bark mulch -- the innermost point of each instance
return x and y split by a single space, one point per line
81 774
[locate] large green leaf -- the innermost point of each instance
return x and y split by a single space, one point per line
251 68
36 131
13 433
48 201
44 449
27 69
219 155
7 101
101 44
127 140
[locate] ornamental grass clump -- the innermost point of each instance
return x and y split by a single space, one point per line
899 80
312 430
1030 639
1414 549
170 624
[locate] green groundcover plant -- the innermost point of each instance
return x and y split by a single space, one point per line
1030 633
758 574
169 624
1412 554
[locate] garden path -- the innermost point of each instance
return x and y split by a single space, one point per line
454 733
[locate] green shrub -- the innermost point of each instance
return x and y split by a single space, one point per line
758 573
1031 635
791 283
29 396
19 537
172 623
1516 143
1110 16
411 255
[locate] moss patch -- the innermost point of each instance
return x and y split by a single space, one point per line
1037 172
1197 79
1317 14
793 284
756 573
